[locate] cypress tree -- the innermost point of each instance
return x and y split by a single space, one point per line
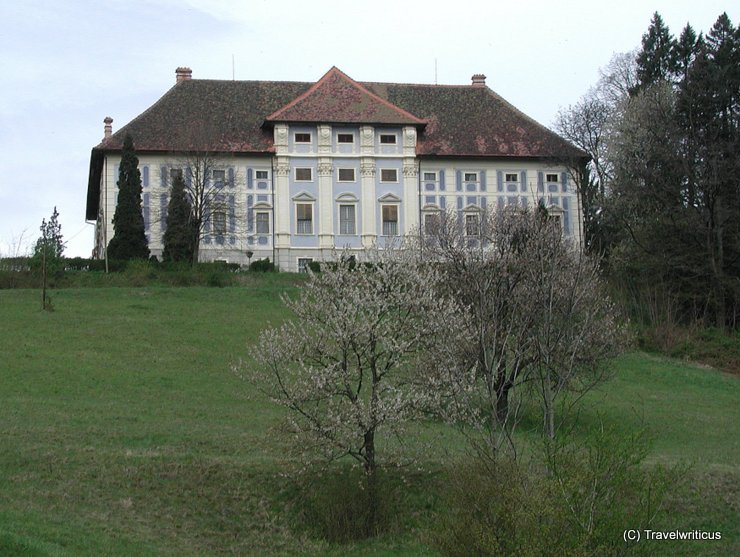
129 241
178 238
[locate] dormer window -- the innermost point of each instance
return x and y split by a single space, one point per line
302 137
387 138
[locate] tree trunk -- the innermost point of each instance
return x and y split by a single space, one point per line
371 479
549 400
502 388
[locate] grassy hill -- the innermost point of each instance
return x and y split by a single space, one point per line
123 432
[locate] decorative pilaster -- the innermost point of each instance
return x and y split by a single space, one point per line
280 138
410 193
324 140
282 201
367 141
369 202
325 171
409 141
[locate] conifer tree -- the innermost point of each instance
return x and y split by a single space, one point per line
181 231
129 241
656 61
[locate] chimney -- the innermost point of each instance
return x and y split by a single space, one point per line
479 80
183 74
108 128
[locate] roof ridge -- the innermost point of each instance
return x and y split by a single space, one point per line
358 85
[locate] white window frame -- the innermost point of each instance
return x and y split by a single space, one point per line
354 218
550 174
383 221
305 266
433 173
256 174
214 180
295 173
388 135
394 170
257 213
508 175
431 214
216 216
476 177
467 216
296 141
297 221
339 174
350 134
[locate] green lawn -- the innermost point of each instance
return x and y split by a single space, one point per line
123 431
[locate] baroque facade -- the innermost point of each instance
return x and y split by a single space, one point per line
296 170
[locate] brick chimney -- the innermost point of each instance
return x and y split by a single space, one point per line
108 128
183 74
479 80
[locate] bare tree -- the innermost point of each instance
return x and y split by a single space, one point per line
216 204
343 366
536 314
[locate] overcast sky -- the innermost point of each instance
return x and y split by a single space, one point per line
66 65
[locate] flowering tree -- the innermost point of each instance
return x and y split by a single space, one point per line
538 318
343 366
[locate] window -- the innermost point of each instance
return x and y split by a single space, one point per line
472 225
388 175
304 218
175 173
431 223
347 220
552 177
345 138
390 220
261 174
346 174
219 222
430 176
219 177
512 178
387 138
262 222
303 264
303 174
471 177
302 137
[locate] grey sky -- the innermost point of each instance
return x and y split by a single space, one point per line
67 65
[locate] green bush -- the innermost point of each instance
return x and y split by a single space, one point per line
575 502
335 506
262 265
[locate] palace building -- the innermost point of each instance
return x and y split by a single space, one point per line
295 170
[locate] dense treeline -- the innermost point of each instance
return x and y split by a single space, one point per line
662 194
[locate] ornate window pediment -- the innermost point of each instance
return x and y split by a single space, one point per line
304 196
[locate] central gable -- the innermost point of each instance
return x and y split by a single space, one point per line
336 98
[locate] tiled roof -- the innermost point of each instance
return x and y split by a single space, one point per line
230 116
236 117
473 121
209 115
336 98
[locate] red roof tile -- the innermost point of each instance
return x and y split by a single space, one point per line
336 98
